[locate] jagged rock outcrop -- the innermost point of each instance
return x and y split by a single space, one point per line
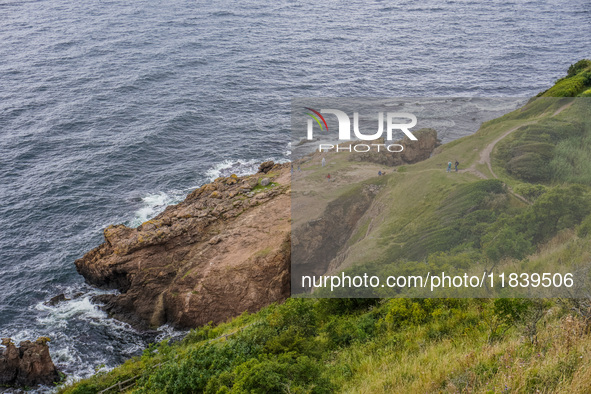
414 151
27 365
222 251
266 166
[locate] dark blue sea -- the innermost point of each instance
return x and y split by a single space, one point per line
110 110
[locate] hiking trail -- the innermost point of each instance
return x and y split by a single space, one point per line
486 152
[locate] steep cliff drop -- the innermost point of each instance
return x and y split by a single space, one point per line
224 250
27 365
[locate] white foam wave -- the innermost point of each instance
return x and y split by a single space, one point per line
58 316
155 203
229 167
68 346
168 332
238 167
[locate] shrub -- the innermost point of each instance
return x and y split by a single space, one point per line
193 372
559 208
531 192
275 374
406 311
585 227
578 67
531 167
342 332
506 242
326 307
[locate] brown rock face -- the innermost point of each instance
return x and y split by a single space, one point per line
414 151
222 251
266 166
27 365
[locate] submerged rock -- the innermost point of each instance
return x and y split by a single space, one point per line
56 300
27 365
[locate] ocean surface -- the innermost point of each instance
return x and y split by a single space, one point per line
111 110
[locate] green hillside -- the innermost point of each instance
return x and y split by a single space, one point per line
522 202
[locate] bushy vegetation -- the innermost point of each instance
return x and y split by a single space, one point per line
547 151
328 345
577 80
460 218
476 220
554 150
415 344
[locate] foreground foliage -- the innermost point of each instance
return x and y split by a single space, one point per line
352 345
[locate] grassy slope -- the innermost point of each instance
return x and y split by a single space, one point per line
403 345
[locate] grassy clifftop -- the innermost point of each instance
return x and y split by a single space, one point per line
522 199
577 82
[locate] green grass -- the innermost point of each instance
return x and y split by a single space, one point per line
423 217
260 188
374 346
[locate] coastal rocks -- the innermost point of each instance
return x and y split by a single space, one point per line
414 151
209 258
266 166
56 300
27 365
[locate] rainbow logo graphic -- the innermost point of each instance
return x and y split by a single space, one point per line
316 118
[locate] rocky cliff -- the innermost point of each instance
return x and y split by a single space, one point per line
226 249
27 365
222 251
414 151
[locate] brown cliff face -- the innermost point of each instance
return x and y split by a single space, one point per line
414 151
222 251
27 365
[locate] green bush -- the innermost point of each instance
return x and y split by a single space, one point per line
341 306
569 87
342 332
401 312
559 208
585 227
85 388
531 167
516 235
578 67
506 242
459 220
278 374
194 371
531 192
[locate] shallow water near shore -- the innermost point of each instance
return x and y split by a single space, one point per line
110 111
